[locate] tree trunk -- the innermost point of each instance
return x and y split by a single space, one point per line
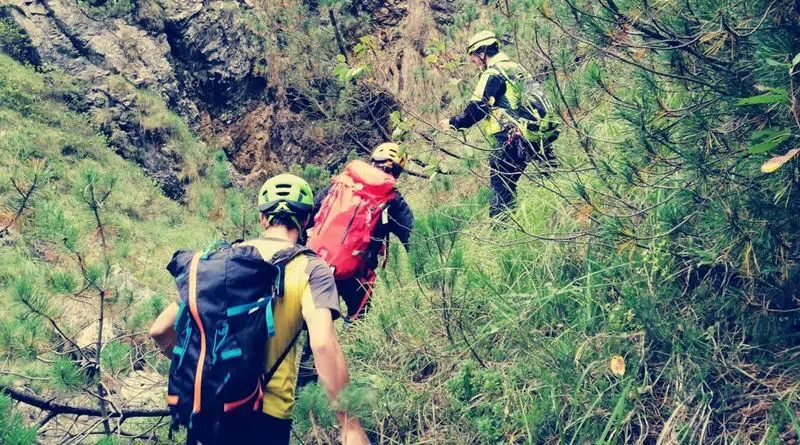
100 389
339 40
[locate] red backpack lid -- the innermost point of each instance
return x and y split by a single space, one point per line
369 176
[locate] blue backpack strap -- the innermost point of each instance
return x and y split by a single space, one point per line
270 320
280 260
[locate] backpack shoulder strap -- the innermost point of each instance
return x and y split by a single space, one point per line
271 372
286 255
281 259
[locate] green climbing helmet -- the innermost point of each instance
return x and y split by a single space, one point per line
288 194
481 40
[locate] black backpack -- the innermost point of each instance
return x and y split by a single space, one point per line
217 378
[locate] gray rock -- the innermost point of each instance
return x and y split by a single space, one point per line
200 56
214 53
443 12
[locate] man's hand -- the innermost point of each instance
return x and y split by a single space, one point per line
444 124
352 432
331 367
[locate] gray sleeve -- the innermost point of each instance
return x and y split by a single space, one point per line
323 287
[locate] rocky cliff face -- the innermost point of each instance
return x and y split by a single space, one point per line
205 61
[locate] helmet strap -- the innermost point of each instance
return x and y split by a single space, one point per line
297 223
303 235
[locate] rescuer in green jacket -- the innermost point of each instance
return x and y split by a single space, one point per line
515 118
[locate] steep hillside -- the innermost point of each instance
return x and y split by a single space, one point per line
230 69
647 292
84 238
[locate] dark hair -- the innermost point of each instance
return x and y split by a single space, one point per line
395 170
492 50
284 219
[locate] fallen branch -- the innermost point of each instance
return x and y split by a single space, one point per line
425 175
438 146
62 408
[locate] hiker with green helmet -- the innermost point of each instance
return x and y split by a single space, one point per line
515 116
308 298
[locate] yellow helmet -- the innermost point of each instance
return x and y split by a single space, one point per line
389 151
481 40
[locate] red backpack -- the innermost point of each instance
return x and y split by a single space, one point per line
348 215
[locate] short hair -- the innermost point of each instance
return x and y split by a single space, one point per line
283 219
492 50
396 170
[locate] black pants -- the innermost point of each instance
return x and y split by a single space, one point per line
506 165
307 373
353 292
255 428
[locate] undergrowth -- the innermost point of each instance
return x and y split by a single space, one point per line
57 252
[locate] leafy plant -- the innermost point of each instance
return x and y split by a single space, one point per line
116 357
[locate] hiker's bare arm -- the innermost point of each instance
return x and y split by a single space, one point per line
328 354
162 331
332 368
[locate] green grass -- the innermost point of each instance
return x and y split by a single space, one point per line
484 331
492 332
43 140
486 335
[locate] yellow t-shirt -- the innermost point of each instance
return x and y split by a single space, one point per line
308 281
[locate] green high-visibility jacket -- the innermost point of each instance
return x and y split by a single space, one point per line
495 102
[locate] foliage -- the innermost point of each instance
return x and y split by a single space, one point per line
317 177
334 93
12 429
67 375
647 291
82 230
13 41
116 356
104 9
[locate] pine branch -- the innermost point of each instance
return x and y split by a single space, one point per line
634 63
100 389
25 195
55 326
430 140
62 408
339 40
94 202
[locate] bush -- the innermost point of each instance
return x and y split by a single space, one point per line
317 177
116 357
12 429
101 9
14 41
